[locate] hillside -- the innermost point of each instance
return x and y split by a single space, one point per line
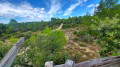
85 50
78 38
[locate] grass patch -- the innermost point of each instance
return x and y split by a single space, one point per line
75 39
83 45
75 32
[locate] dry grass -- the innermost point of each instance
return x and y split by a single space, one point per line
86 51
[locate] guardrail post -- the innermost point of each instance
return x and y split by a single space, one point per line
69 63
8 59
49 64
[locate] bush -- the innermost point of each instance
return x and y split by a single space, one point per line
80 33
46 46
77 57
13 40
75 39
75 32
4 48
83 45
66 26
94 32
77 28
60 58
109 35
74 24
116 52
87 38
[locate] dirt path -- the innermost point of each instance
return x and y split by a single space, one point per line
59 28
87 50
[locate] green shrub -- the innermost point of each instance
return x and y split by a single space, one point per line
60 58
83 45
27 35
77 57
74 24
4 48
94 32
75 39
77 28
75 32
116 52
80 33
66 26
13 40
109 35
87 38
46 46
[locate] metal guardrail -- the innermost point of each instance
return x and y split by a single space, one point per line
11 54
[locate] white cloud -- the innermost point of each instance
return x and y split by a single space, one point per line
91 5
55 6
42 8
93 10
60 12
42 11
27 12
71 8
85 0
97 5
24 10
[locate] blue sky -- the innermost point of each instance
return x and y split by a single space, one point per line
37 10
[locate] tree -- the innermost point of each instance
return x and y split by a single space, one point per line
101 6
106 4
53 19
110 3
3 28
13 23
88 14
104 8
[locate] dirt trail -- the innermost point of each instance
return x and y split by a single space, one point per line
59 28
87 50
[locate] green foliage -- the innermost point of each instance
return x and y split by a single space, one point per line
77 57
110 3
4 49
13 40
46 46
116 52
108 35
13 21
80 33
60 58
66 26
47 30
75 39
105 9
87 38
75 32
74 24
83 45
93 32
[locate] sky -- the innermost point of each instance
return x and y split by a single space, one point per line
37 10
